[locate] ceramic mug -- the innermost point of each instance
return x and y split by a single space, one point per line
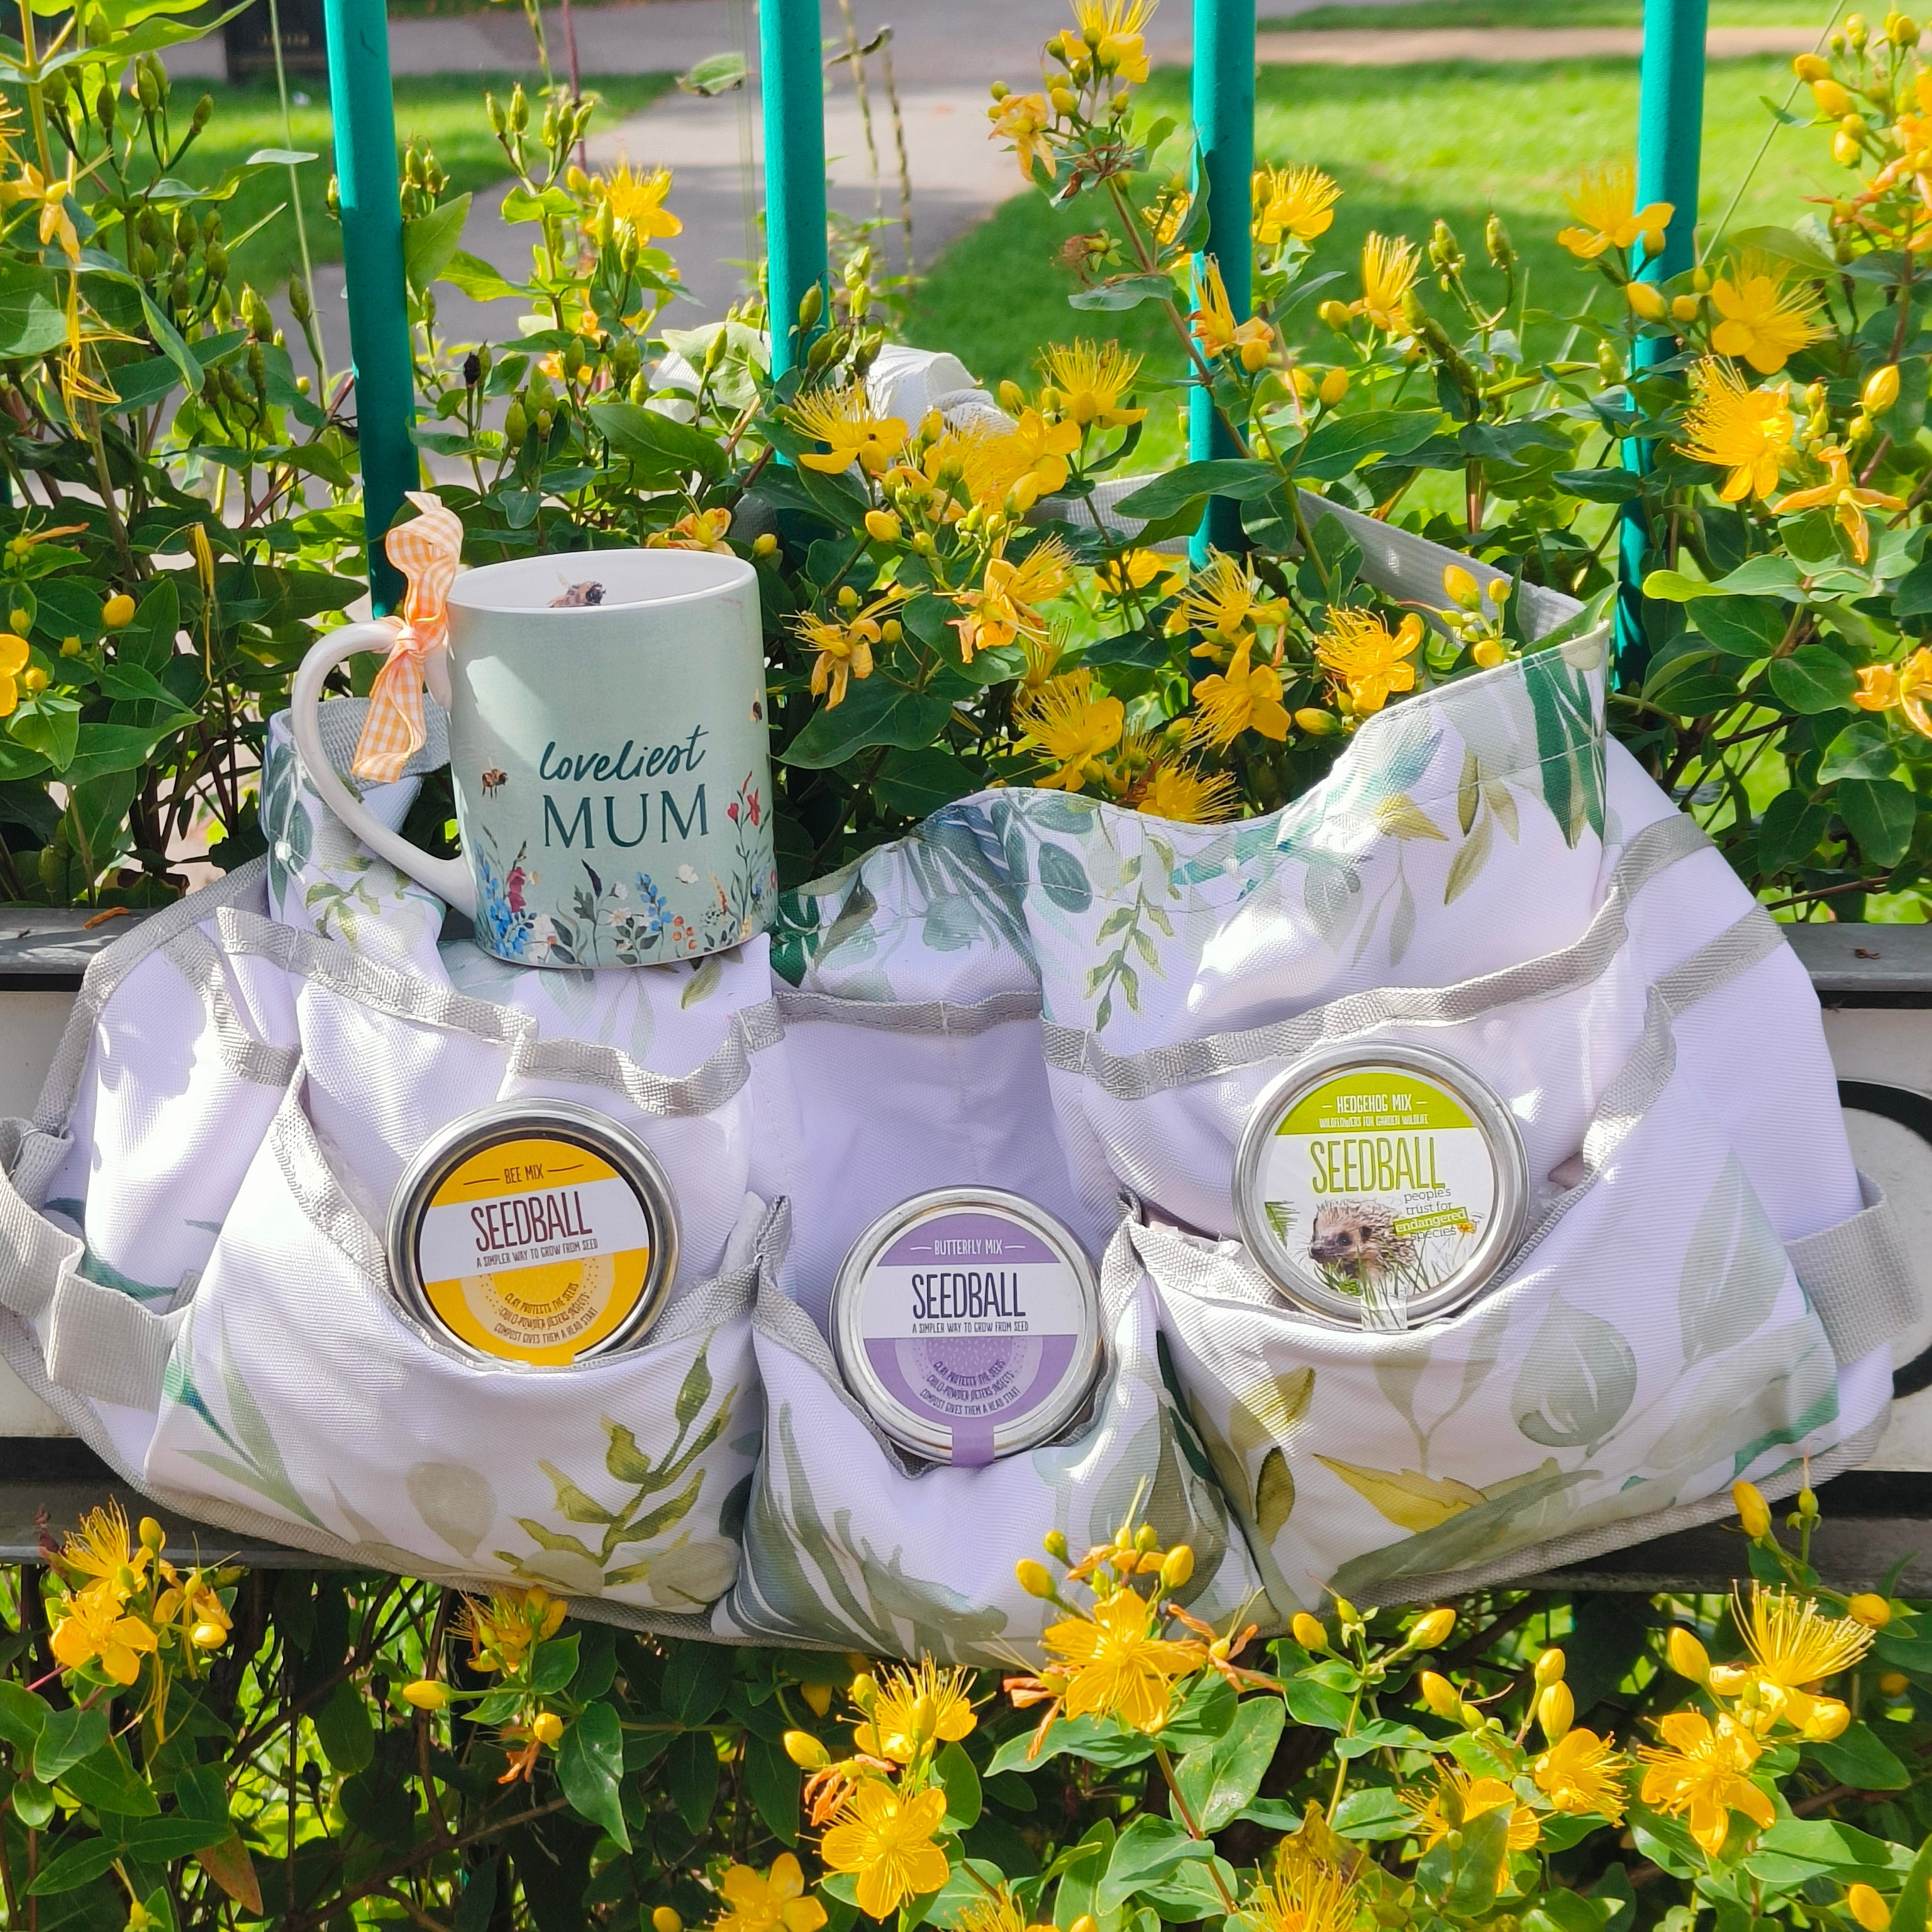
609 750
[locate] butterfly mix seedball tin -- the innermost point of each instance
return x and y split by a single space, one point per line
967 1322
1381 1186
534 1233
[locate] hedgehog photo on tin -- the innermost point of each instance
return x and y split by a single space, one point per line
1357 1239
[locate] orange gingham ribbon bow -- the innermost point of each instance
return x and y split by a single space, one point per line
427 552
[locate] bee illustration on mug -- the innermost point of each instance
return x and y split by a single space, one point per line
492 780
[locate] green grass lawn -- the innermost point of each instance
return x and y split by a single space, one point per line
1407 144
1408 15
445 111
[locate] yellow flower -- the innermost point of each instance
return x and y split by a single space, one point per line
1175 790
914 1710
1389 265
1116 1664
501 1629
1073 723
1764 321
1848 501
1009 470
1436 1817
843 419
1792 1645
1039 449
1004 607
101 1546
1305 1894
52 193
1366 657
13 662
1244 697
1113 29
1705 1775
1581 1772
1293 203
1223 601
1092 378
1167 214
773 1903
1134 570
703 529
1908 685
1746 431
639 199
1215 328
844 645
1604 202
1023 119
91 1628
1867 1906
885 1838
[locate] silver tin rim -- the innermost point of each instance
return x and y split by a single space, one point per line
914 1432
555 1120
1483 1106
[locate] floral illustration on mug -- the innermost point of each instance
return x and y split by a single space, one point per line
502 910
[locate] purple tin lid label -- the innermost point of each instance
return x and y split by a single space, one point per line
971 1321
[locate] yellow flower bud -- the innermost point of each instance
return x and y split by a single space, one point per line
1688 1658
1869 1610
1460 587
70 647
1064 100
1440 1695
1176 1567
117 612
1307 1631
1653 243
1645 300
1334 386
1334 313
33 679
805 1751
1431 1627
1753 1512
1894 1684
1831 98
1304 384
426 1694
1864 1904
1034 1579
766 545
207 1636
1809 67
1555 1712
152 1534
546 1727
1845 149
848 598
1488 652
1086 1922
882 527
1317 724
817 1698
1881 390
1828 1720
1549 1669
665 1919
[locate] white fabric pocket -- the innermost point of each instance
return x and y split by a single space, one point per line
297 1391
848 1542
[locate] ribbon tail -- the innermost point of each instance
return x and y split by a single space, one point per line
393 731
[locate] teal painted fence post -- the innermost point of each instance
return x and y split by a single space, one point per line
1670 134
792 75
1224 126
372 257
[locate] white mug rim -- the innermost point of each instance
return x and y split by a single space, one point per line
725 574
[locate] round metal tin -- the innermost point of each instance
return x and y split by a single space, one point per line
966 1321
1380 1186
535 1234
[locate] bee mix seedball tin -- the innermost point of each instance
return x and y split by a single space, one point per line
967 1322
534 1233
1380 1186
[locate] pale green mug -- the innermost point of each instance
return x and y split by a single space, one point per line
609 749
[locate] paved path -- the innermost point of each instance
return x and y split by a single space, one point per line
1499 46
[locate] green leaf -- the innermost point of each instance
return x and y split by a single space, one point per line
659 444
476 278
1178 491
1785 245
66 1737
1878 813
876 712
171 344
1318 1704
1126 292
52 729
1093 1740
1372 1812
962 1788
1146 1852
771 1778
1744 627
1789 831
105 1780
1202 1715
343 1730
590 1768
1909 1914
33 318
1383 1734
429 240
1672 586
1218 1780
1340 445
718 74
918 783
1796 1850
77 1866
1862 750
23 1716
1813 680
101 748
157 1841
556 1664
1859 1757
1607 485
696 1678
690 1769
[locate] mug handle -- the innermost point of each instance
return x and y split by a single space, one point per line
448 878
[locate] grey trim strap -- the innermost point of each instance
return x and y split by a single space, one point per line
311 1181
103 1344
1859 1276
194 956
1138 1076
939 1016
703 1090
34 1253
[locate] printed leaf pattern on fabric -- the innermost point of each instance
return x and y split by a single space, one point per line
1733 1271
1577 1382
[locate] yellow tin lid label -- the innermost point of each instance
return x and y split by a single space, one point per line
535 1250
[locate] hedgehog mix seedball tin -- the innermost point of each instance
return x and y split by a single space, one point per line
1381 1186
534 1234
968 1321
